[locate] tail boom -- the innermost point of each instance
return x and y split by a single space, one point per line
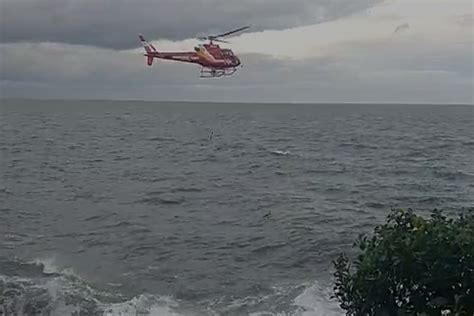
151 53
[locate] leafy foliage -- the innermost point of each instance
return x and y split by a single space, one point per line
411 266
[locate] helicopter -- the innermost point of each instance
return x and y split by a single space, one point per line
215 61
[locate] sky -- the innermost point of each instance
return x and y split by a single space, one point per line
312 51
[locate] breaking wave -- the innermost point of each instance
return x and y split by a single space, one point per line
281 152
39 287
48 290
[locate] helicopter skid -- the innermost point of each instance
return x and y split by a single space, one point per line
217 73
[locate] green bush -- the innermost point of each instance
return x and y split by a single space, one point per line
410 266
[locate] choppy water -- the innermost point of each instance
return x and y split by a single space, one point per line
129 208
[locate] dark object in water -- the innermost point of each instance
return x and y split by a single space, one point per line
267 215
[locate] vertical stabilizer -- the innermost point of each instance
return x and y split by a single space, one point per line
149 49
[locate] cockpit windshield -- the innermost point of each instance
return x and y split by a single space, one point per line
227 53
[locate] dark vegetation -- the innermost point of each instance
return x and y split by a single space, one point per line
411 266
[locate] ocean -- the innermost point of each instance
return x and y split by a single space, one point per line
148 208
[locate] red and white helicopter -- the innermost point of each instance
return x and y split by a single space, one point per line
215 61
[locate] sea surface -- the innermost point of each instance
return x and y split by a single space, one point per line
142 208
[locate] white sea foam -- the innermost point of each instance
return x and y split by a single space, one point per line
50 265
282 152
67 294
143 305
316 301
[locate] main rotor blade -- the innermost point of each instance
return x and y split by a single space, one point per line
232 32
220 41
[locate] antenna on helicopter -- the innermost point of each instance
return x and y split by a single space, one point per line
217 38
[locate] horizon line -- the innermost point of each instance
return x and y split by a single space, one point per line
236 102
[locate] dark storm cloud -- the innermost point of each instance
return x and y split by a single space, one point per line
116 23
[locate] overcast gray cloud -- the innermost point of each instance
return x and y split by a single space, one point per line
354 59
414 72
116 23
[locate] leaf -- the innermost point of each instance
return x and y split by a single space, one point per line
413 264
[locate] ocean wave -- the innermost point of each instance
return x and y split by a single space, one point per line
309 299
162 139
159 200
56 291
453 174
375 205
281 152
263 250
185 189
316 301
143 305
48 266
